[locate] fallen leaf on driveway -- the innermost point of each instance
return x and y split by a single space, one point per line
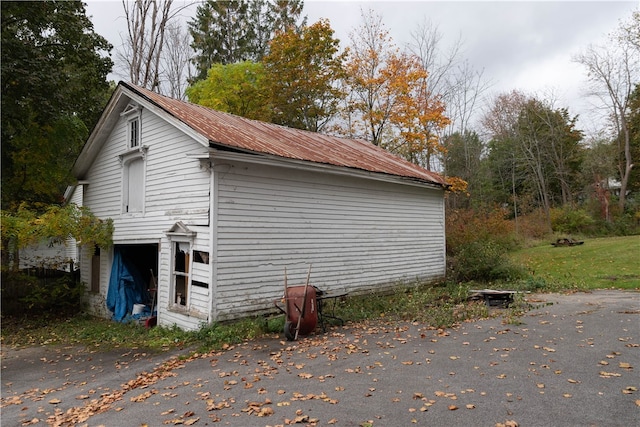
144 396
604 374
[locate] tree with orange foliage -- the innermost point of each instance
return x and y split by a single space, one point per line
390 104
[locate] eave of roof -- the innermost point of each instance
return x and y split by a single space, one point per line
245 134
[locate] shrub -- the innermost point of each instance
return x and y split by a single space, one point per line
477 246
569 220
533 225
465 226
62 295
483 261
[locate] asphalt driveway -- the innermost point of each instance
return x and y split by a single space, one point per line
575 362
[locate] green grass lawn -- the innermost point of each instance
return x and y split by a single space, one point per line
612 262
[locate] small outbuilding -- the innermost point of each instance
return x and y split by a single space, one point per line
210 208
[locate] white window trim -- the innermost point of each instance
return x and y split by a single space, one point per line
125 159
133 114
180 233
172 295
130 136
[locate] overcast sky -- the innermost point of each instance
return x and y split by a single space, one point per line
526 46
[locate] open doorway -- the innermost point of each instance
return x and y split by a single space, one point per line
143 257
133 280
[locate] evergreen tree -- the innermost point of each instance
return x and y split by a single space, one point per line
230 31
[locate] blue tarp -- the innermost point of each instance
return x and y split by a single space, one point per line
126 288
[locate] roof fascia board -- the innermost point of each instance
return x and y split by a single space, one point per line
272 160
98 135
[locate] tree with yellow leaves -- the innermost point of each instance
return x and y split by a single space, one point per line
390 104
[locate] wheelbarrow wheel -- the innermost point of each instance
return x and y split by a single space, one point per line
290 330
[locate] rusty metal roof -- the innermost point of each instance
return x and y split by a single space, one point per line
268 138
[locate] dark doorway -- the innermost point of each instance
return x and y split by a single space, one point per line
143 257
132 282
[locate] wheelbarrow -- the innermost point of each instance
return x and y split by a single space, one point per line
300 309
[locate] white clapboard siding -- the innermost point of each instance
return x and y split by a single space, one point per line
176 189
199 300
357 234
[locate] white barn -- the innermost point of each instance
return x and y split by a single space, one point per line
217 206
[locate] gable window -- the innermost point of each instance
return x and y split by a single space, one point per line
134 132
132 114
